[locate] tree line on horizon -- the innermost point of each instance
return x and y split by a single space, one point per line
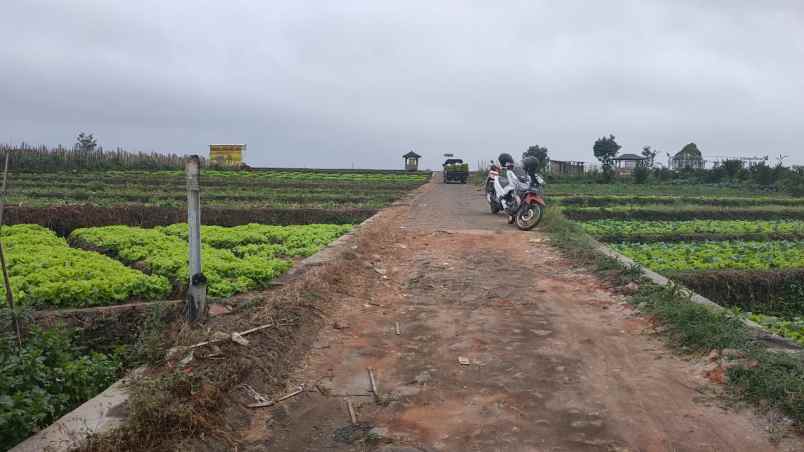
605 149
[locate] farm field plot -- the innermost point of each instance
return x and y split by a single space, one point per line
279 189
722 201
745 255
83 239
739 255
676 189
46 272
693 230
684 212
235 259
74 199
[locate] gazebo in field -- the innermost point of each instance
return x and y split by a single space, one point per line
625 163
412 161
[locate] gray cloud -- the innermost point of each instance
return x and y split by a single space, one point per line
340 83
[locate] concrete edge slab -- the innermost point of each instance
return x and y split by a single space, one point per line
101 413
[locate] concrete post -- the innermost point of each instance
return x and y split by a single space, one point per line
197 291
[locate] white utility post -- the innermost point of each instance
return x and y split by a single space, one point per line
197 292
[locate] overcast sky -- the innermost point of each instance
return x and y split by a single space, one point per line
342 83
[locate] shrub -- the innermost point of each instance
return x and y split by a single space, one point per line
641 174
46 378
794 183
763 175
663 174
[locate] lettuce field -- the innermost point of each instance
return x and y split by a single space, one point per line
741 250
116 264
46 271
235 259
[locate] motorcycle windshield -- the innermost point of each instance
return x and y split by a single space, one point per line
520 173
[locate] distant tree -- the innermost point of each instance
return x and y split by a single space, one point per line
650 154
540 154
605 149
763 175
732 167
85 142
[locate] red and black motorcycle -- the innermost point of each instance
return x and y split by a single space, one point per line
519 192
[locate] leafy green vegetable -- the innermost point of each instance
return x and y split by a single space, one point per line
46 378
792 329
44 270
744 255
636 227
235 259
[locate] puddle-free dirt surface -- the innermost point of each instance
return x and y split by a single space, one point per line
484 338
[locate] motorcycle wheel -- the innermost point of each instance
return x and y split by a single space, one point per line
493 206
529 216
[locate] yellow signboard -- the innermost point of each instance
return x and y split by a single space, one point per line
227 154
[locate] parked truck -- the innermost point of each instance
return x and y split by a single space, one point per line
455 170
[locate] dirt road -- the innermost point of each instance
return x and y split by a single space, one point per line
502 345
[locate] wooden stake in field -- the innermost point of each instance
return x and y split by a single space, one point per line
6 282
197 292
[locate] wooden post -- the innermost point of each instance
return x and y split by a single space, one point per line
197 292
6 281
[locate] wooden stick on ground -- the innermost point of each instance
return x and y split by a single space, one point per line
6 281
352 414
373 383
243 333
274 402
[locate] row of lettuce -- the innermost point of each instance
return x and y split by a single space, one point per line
115 264
246 189
746 253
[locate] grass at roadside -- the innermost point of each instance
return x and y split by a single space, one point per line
773 380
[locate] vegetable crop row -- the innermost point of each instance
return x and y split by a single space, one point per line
693 230
255 254
684 189
792 328
744 255
621 200
284 198
683 213
243 175
247 205
176 183
777 292
45 271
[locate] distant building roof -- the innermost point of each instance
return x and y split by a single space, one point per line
688 152
411 155
630 157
